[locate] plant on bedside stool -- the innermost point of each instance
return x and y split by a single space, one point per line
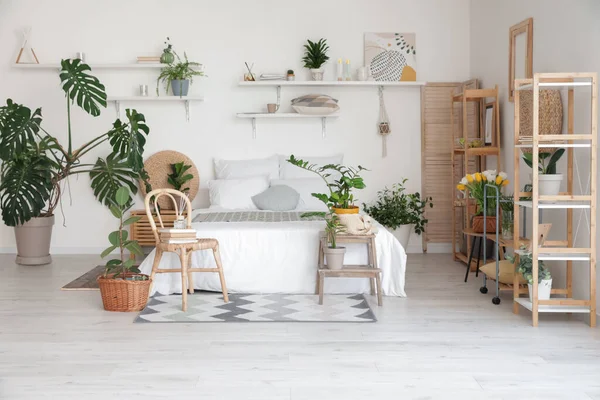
333 253
123 287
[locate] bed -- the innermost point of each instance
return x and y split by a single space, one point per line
275 252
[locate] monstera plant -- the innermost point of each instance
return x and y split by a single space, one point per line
36 167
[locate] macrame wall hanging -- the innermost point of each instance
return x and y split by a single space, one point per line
383 126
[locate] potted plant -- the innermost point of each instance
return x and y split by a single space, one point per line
315 55
333 254
122 286
178 178
473 187
179 75
35 166
167 56
549 180
525 267
340 198
402 213
290 75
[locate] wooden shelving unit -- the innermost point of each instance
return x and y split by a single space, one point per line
467 159
559 250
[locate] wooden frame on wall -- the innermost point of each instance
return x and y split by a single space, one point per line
524 27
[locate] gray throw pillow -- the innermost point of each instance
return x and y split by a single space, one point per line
277 198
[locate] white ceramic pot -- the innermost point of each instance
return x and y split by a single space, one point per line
335 257
317 74
544 288
33 241
402 233
549 184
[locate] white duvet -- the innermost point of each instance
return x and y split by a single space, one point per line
278 257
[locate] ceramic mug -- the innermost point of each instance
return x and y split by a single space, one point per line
272 108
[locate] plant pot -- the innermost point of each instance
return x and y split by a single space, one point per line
180 87
335 257
544 288
167 57
402 233
317 74
349 210
478 224
33 241
549 184
384 127
124 295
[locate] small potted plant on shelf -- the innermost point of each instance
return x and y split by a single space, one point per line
401 212
35 166
178 178
290 75
122 286
334 254
473 186
315 55
179 75
340 198
549 180
525 268
167 56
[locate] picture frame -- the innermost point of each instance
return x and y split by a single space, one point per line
489 121
524 27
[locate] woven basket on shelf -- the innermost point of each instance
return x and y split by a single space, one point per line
122 295
550 116
478 224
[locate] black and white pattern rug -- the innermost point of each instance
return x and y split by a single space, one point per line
209 307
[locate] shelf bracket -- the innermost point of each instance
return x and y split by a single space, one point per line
118 108
324 127
253 128
187 111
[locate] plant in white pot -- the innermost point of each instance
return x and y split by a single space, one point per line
401 212
36 168
549 180
315 55
525 268
334 255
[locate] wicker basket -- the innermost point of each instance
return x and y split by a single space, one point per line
478 224
122 295
550 116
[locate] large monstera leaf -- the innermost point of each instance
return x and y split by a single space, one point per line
26 187
128 140
81 87
18 129
111 174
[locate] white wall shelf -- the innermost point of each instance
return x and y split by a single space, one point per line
254 116
94 66
186 100
330 83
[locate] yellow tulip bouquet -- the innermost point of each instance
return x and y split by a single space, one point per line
474 184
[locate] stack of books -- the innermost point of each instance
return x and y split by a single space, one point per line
177 236
148 60
271 77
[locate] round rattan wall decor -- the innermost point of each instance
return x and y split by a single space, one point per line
550 116
158 167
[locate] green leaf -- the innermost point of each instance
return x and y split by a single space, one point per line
18 129
128 264
131 220
108 251
81 87
116 211
122 196
109 175
114 262
128 140
113 238
528 158
134 248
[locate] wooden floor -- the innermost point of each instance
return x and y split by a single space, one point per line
444 341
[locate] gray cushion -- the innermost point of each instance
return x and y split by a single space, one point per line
277 198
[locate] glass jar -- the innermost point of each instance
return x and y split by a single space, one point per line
507 225
180 222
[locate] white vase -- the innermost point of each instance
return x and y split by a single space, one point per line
549 184
402 233
335 257
317 74
544 288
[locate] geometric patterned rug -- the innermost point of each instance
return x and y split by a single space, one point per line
209 307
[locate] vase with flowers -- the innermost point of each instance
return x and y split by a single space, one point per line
473 186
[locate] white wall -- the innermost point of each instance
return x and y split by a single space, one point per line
565 36
222 35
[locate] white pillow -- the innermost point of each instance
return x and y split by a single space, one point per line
289 171
236 169
236 193
305 187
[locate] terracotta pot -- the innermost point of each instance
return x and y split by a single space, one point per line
124 295
478 224
349 210
33 241
335 257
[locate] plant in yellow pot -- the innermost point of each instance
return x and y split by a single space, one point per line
340 198
472 185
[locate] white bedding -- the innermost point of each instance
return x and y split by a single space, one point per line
278 257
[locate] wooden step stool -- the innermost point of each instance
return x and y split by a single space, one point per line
371 270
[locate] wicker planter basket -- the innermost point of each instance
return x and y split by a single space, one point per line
550 116
478 224
121 295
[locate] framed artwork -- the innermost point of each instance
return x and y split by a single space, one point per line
391 57
519 57
489 124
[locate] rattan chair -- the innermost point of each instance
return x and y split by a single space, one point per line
184 250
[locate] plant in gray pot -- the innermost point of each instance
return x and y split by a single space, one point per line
179 75
36 168
334 255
